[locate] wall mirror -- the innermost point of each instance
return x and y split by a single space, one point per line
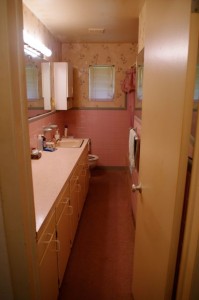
140 76
195 103
37 91
139 83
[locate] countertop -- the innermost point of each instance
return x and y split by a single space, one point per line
50 173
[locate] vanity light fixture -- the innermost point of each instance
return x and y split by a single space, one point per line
34 47
30 51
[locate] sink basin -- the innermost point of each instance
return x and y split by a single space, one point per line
70 143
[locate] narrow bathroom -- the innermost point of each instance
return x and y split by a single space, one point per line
89 261
95 137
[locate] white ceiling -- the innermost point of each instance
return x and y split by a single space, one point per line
69 20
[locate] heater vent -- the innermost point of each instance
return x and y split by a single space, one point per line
96 30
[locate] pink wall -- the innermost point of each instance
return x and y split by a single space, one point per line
107 129
36 127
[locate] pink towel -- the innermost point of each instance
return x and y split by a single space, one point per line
128 84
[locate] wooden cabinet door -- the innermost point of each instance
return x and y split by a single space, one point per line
86 171
81 183
63 226
74 198
49 273
47 249
63 84
84 176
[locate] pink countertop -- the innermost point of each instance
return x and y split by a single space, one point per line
50 173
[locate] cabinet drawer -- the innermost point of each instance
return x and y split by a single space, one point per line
46 236
48 272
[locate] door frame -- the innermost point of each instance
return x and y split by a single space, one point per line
18 259
189 260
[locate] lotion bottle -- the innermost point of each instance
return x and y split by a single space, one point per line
65 131
40 142
57 135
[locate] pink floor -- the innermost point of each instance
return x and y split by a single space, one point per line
100 264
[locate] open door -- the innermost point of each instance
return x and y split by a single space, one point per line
166 122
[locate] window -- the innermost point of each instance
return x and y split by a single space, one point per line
101 83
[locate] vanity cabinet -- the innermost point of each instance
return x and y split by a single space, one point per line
57 232
47 255
63 85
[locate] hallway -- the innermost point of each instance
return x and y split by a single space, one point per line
100 264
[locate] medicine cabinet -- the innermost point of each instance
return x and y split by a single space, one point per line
49 86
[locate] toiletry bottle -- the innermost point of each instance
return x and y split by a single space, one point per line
65 131
40 142
57 135
44 141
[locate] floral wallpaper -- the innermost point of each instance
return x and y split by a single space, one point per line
81 55
34 26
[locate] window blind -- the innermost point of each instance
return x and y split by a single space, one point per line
101 83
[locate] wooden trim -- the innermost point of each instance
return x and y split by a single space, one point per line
189 252
17 202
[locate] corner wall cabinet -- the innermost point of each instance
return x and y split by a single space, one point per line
57 85
55 237
63 85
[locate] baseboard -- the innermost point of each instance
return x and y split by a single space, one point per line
112 168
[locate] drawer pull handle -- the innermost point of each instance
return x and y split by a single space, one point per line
57 242
65 200
50 235
70 210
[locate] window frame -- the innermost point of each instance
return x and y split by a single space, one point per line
94 83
